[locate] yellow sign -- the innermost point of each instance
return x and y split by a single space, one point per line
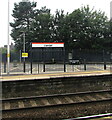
24 54
8 55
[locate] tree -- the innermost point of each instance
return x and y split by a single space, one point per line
23 14
84 28
88 27
3 50
42 26
110 36
61 28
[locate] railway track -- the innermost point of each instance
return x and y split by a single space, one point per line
25 103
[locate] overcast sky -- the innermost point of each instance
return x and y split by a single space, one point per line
66 5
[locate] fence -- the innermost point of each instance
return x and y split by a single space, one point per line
40 55
57 60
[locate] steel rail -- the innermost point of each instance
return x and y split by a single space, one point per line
62 104
55 95
56 105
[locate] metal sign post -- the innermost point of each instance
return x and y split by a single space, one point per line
24 55
31 57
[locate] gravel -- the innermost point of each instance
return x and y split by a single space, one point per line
62 112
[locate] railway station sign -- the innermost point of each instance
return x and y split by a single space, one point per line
24 55
36 44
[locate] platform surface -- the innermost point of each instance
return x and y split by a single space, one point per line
52 75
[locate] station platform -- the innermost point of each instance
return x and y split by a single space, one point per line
25 76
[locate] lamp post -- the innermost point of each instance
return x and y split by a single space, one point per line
8 46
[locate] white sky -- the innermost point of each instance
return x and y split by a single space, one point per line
66 5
